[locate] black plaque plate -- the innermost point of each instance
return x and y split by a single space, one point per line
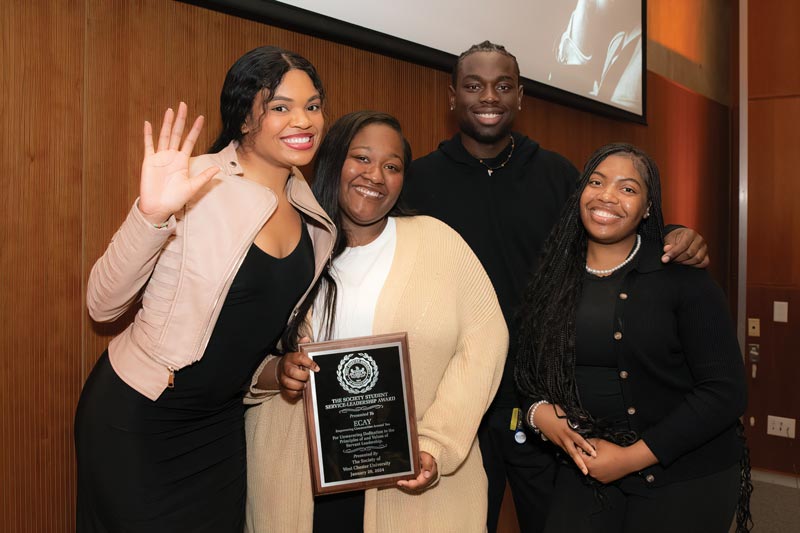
361 424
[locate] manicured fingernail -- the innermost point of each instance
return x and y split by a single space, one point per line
426 474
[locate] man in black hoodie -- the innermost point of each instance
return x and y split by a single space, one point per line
503 193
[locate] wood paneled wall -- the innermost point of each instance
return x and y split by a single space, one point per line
79 79
773 233
774 389
41 260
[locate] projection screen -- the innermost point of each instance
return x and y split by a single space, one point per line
589 54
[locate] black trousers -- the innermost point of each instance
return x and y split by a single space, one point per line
529 468
702 505
339 513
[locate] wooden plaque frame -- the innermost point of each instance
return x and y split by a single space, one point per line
357 440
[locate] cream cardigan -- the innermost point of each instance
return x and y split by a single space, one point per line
438 292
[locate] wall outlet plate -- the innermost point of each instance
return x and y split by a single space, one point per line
780 426
753 327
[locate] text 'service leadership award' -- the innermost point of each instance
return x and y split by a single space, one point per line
360 411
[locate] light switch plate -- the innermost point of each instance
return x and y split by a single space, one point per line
780 311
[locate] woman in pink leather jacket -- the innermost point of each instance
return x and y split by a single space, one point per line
220 248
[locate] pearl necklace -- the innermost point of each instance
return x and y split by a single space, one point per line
606 272
490 170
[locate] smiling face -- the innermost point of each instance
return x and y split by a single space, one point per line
486 96
371 181
614 201
288 132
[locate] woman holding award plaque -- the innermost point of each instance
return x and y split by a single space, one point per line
388 273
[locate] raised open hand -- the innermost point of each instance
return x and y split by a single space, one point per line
166 185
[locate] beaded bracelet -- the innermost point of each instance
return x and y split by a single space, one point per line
532 412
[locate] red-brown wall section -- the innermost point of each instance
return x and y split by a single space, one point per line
773 232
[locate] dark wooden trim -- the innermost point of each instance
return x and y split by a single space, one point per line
312 410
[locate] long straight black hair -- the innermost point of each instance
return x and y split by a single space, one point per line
326 185
260 70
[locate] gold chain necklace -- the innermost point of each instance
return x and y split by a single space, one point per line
489 169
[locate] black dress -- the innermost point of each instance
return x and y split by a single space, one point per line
178 464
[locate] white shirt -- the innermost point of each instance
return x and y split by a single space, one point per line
360 274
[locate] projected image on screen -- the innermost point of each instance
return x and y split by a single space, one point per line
590 48
600 53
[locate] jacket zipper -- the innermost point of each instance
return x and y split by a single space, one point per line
316 277
324 222
228 279
206 336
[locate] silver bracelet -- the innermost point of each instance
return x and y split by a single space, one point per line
532 411
278 361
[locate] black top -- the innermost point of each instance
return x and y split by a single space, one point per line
596 372
256 310
179 463
595 319
679 367
505 218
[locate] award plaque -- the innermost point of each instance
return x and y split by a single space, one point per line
361 425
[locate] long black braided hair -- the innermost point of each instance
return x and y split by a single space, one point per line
545 363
